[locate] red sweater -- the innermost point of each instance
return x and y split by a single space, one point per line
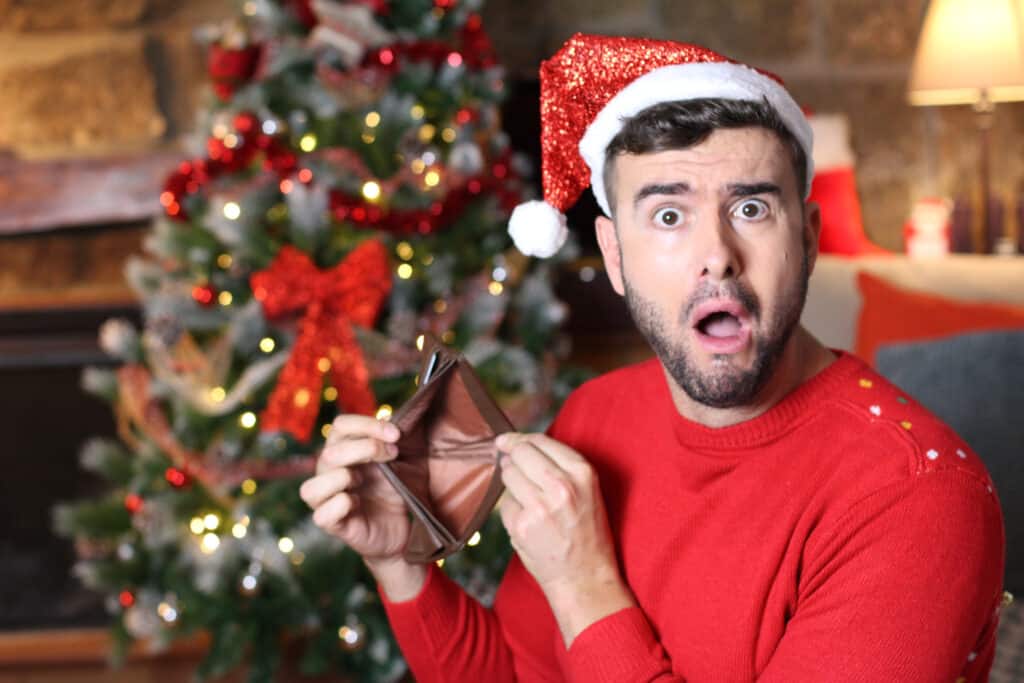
844 535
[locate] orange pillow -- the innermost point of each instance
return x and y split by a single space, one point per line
891 314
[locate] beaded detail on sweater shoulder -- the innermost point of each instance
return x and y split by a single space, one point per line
937 446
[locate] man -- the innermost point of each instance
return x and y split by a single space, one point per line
748 506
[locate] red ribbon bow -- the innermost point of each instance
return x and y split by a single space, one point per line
351 292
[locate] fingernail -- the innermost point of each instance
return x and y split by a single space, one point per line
391 431
502 440
391 449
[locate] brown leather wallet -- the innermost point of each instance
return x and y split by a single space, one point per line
447 469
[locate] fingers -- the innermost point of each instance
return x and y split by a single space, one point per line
549 464
352 426
520 488
333 512
319 489
355 452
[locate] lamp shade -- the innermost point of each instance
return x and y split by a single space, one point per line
969 49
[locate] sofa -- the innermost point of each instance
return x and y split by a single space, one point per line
950 332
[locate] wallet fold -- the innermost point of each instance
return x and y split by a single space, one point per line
447 469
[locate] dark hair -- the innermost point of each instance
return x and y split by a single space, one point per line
683 124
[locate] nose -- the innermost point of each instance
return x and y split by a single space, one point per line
719 253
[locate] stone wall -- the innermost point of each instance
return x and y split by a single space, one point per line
93 77
849 56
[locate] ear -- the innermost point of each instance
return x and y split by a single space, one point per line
812 232
608 241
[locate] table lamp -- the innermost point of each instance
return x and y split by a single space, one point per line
971 52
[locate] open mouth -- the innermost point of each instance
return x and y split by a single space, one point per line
722 326
719 324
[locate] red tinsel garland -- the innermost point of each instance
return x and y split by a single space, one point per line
351 292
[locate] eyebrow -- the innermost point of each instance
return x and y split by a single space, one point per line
750 189
663 188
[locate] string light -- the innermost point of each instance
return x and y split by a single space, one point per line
286 186
197 526
211 521
285 544
418 166
325 430
210 543
270 126
249 487
368 138
220 129
404 271
239 530
404 251
417 112
420 341
167 612
448 135
330 394
224 261
231 141
301 398
306 175
307 143
217 394
499 274
454 60
348 635
225 298
474 539
298 557
448 337
324 364
373 119
432 178
495 288
371 190
427 132
440 306
232 211
267 345
247 420
384 412
440 563
428 259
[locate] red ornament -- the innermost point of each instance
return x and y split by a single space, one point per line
351 292
175 477
204 294
133 503
246 123
126 599
303 12
229 68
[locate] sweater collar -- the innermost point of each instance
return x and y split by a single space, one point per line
794 408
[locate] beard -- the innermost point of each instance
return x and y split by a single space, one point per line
723 386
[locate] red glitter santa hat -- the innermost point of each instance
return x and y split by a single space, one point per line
594 83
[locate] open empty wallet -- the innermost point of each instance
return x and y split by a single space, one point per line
447 468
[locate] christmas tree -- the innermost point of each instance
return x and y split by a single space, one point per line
347 194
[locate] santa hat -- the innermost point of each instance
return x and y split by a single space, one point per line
594 83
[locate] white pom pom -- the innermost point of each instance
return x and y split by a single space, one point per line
538 229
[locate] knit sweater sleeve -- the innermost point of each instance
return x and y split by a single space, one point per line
899 591
905 588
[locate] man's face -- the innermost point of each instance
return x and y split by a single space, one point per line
712 249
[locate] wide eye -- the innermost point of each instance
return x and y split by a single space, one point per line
668 217
751 210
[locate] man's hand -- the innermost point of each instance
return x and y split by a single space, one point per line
556 519
352 500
